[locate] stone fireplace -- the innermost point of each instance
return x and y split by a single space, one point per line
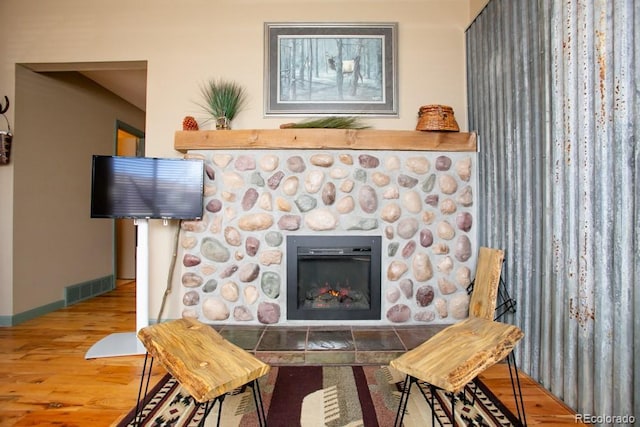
333 277
267 191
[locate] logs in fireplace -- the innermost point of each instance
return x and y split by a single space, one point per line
333 277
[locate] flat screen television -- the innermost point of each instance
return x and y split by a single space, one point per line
146 187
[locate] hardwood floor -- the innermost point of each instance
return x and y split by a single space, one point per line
46 381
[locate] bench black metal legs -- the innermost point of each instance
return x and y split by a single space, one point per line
404 400
208 406
409 381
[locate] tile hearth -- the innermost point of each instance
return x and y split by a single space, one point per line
323 345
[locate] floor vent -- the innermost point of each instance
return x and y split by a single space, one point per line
89 289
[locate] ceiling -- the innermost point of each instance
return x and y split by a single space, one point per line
127 79
130 85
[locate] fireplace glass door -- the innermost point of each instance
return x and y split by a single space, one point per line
333 277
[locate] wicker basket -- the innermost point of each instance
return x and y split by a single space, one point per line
437 117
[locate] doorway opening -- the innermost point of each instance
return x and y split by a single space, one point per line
129 142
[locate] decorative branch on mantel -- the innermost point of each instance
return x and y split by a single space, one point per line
321 139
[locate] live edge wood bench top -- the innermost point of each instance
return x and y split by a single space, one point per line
200 359
457 354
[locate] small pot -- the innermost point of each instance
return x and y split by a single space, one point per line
223 123
5 147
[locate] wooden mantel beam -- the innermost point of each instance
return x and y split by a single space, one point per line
338 139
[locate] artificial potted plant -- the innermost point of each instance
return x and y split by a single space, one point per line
223 100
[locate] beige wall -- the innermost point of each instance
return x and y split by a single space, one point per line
188 43
475 7
62 119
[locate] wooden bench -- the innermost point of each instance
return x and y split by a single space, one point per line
205 364
457 354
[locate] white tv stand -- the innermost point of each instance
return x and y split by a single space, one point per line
127 343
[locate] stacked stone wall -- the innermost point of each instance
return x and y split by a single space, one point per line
421 203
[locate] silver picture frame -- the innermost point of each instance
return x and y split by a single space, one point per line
319 69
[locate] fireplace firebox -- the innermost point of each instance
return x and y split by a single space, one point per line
333 277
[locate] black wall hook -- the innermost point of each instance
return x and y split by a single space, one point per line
5 108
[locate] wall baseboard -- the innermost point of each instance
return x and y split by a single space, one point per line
16 319
72 295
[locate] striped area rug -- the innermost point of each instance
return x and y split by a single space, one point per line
317 396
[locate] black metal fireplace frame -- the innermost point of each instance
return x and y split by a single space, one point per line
294 242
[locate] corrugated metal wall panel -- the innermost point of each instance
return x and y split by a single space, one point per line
554 96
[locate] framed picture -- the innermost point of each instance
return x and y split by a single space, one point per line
331 69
